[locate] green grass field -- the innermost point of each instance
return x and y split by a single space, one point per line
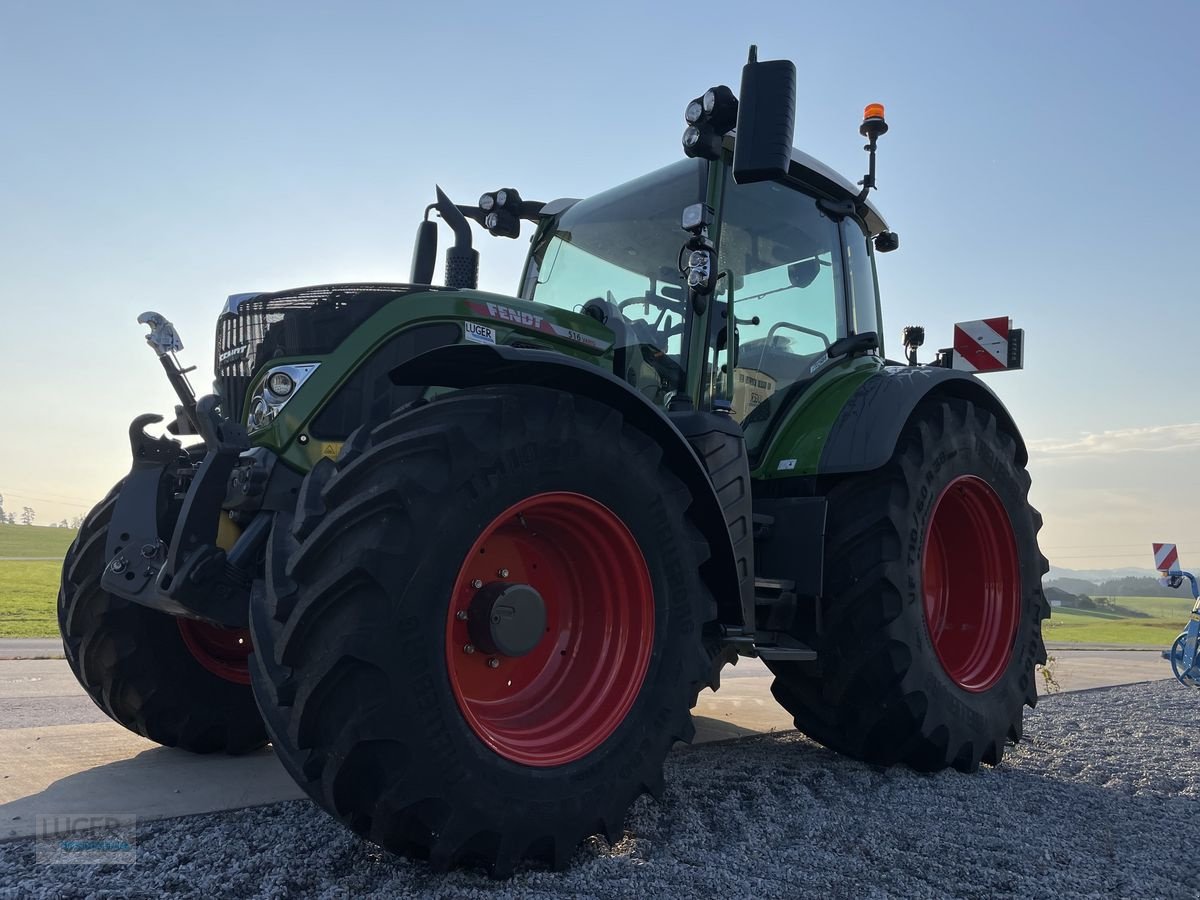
30 560
34 540
28 592
1165 618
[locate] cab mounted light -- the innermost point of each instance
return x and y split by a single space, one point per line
887 241
709 118
873 122
721 107
701 141
873 125
502 223
509 199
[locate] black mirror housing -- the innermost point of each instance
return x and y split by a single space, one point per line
766 120
424 258
802 274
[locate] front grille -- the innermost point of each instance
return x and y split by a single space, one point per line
309 321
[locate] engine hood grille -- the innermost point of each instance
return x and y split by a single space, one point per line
257 328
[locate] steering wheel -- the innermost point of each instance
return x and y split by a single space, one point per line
650 298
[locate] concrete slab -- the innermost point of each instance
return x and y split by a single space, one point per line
59 754
102 769
1080 669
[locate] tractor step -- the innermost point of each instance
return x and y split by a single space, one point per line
767 589
793 651
774 645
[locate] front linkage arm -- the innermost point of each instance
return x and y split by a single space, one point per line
189 575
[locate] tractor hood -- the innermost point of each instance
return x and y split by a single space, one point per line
310 323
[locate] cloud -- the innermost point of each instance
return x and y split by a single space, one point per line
1119 442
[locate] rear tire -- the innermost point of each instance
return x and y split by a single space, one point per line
135 662
372 700
931 621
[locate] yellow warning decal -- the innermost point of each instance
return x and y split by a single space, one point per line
331 449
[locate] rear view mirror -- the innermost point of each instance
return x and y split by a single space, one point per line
766 120
802 274
424 254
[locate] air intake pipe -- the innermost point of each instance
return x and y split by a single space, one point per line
462 261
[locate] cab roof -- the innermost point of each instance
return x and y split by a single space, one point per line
813 173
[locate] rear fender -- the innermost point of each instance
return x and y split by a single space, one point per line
866 431
467 365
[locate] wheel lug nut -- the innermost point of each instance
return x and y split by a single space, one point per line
468 648
461 615
503 573
493 663
477 584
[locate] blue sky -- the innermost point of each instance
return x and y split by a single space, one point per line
1039 165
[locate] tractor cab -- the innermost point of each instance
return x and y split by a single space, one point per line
794 271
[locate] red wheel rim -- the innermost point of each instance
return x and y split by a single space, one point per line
971 583
223 651
563 698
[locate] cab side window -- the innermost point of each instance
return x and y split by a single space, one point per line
781 257
864 304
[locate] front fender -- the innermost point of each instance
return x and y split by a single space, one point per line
866 430
469 365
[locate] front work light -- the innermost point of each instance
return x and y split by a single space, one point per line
502 223
487 201
709 117
721 108
275 391
281 384
701 141
508 198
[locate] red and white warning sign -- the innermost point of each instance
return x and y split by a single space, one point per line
1166 557
987 345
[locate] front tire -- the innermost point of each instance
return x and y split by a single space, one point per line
390 700
931 621
177 682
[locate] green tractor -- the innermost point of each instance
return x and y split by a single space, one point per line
466 559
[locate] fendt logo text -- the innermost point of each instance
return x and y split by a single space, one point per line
509 314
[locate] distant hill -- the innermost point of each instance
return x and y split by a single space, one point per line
1073 585
1128 586
1066 598
25 541
1097 576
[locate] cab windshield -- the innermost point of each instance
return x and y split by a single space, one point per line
786 266
616 257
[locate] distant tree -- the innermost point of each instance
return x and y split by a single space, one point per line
3 514
12 520
77 522
1137 586
1083 601
63 524
27 515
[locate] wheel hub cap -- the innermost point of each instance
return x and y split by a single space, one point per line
507 618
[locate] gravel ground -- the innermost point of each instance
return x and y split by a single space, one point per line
1100 799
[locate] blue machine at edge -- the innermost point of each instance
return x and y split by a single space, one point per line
1183 653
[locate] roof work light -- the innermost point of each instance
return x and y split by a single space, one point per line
709 118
